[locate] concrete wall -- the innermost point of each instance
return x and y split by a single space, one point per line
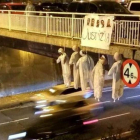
22 71
27 65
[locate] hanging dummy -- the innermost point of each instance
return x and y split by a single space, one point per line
117 84
73 60
85 65
64 59
98 77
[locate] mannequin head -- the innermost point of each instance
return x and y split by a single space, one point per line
103 59
75 48
60 51
117 56
82 53
29 2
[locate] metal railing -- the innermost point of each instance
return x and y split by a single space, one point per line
70 25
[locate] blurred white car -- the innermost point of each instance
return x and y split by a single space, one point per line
58 95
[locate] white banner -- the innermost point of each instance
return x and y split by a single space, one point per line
97 31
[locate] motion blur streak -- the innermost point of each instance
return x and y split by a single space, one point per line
101 103
41 112
114 116
15 136
39 106
42 101
97 108
46 115
90 122
63 101
47 109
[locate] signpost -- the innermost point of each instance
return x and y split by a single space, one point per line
130 73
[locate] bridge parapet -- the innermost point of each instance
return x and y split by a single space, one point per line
126 30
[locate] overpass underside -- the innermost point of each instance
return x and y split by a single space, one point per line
48 45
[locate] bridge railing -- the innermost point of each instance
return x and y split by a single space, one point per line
70 25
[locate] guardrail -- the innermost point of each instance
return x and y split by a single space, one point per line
70 25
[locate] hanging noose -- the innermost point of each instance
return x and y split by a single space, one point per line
86 50
64 48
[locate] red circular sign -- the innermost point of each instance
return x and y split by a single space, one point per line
130 73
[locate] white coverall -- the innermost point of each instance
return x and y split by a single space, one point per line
73 60
98 79
117 84
85 64
66 72
30 7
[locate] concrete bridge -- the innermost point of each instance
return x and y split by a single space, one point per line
18 73
44 34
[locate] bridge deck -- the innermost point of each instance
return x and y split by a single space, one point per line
67 42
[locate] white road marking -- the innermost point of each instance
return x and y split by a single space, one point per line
97 120
133 97
110 89
114 116
14 121
4 123
15 108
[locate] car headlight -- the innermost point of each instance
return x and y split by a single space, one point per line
52 90
17 136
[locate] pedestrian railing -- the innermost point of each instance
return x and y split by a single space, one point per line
70 25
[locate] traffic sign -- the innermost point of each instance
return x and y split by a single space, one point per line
130 73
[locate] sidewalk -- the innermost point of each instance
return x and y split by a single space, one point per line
24 98
126 134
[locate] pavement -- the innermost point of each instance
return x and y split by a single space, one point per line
24 98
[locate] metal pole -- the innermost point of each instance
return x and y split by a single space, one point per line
72 26
47 24
9 17
133 52
26 21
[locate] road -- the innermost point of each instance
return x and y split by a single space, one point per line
120 114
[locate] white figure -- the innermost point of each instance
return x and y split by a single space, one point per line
64 59
85 64
73 60
98 78
117 84
30 7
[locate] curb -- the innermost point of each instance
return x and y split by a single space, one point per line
108 83
13 105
